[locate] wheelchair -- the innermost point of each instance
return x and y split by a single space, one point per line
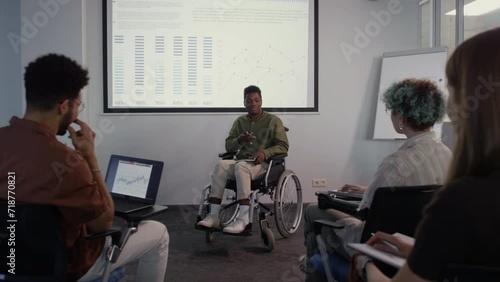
281 184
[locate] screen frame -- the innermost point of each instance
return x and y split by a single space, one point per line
158 110
154 181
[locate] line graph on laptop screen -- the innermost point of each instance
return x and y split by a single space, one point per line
132 179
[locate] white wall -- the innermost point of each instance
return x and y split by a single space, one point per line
10 61
52 26
334 144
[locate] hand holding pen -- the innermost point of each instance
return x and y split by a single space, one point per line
390 244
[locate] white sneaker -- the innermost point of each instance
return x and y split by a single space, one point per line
210 221
236 226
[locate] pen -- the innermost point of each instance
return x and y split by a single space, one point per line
389 244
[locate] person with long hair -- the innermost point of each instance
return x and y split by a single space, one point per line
460 224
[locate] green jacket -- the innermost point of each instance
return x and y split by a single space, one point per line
270 133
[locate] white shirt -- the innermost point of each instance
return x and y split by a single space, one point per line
421 160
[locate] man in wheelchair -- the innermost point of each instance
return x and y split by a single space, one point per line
255 136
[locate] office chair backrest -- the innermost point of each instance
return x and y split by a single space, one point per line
397 209
33 240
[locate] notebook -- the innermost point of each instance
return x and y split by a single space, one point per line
133 182
388 258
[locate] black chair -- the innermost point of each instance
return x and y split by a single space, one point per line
470 273
397 209
33 242
30 238
393 209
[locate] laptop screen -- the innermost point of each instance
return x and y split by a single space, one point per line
134 178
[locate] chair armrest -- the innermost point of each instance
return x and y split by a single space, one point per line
326 202
114 233
227 155
362 214
319 223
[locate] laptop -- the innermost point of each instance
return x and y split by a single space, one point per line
133 182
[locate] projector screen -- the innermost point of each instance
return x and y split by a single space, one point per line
199 55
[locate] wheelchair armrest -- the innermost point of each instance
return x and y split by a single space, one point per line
114 233
277 157
319 223
227 155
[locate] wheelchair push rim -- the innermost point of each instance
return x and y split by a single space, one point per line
288 204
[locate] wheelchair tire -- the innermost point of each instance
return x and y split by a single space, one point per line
288 203
268 238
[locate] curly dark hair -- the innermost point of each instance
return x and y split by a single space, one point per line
51 79
420 101
251 89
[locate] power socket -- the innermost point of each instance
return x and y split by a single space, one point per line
319 182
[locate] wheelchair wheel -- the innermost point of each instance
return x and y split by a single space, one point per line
268 238
288 203
229 207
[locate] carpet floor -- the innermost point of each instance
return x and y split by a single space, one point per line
226 258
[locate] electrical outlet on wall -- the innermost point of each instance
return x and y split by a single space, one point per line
319 182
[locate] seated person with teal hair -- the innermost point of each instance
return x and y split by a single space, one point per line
460 225
415 106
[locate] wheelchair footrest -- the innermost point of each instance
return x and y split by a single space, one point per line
246 232
203 228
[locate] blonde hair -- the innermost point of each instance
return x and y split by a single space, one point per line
473 73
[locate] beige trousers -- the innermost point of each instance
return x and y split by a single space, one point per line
148 246
241 171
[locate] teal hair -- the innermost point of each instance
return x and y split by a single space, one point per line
419 101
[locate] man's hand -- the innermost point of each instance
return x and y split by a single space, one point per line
246 137
83 139
259 157
353 188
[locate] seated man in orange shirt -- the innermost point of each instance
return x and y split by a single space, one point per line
48 172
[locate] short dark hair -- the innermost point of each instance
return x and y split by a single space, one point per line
51 79
419 100
251 89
